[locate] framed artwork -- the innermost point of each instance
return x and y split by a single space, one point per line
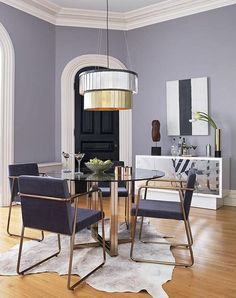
185 97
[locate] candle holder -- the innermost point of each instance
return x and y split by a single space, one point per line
217 142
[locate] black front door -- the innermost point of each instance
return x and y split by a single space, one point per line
96 133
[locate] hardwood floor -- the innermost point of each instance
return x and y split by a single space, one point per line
212 276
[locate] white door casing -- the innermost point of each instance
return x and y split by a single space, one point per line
7 113
68 107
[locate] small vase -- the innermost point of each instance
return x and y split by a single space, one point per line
218 142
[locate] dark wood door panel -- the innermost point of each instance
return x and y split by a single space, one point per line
96 133
107 123
87 122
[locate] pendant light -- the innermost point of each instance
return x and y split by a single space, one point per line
108 89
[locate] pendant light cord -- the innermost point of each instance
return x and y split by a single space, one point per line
129 62
99 42
107 39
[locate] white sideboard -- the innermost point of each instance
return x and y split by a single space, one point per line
213 176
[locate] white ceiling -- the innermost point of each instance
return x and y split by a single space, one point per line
124 14
114 5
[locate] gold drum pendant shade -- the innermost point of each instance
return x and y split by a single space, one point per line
107 100
108 89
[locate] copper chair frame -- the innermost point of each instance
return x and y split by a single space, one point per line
181 189
14 181
73 199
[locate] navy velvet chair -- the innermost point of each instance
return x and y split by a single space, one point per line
122 190
47 205
15 170
165 210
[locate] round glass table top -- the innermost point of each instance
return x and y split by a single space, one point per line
138 174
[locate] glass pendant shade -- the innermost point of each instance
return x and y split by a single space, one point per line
108 89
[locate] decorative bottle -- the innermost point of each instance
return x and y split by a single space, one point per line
184 148
174 148
180 146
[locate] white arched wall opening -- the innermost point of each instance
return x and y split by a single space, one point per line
7 69
68 107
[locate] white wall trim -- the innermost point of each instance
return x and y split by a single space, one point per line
152 14
230 199
169 10
90 19
7 113
67 106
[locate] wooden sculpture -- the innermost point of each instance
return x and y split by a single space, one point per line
156 136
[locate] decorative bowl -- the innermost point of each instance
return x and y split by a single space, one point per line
98 168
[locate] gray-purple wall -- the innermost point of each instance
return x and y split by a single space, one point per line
34 45
199 45
195 46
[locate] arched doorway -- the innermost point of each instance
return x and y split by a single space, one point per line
96 133
7 69
68 108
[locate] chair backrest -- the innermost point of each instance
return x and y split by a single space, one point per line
189 193
116 163
21 169
46 214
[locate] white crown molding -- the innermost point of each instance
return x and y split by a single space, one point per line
90 19
169 10
149 15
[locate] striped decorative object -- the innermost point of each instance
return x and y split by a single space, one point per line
185 97
207 173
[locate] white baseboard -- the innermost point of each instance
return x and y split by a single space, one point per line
230 199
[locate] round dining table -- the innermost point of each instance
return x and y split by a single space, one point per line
93 179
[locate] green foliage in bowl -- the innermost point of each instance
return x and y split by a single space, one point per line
98 166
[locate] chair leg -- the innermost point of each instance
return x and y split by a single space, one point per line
141 229
190 241
9 219
21 272
133 232
188 245
190 232
17 235
127 212
72 246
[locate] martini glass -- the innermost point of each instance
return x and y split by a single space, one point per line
66 156
78 157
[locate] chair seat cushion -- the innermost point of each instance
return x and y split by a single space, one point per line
106 191
87 217
159 209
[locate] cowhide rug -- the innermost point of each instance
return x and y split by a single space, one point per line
119 274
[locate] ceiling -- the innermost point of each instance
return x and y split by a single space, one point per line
114 5
123 14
